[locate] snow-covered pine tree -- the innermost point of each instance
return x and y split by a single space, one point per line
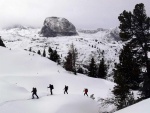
30 49
102 69
72 59
80 70
54 56
74 53
135 28
68 63
126 76
92 68
39 52
44 53
50 50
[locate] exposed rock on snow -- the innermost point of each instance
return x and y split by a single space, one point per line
1 43
55 26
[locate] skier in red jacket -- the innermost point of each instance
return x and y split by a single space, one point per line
85 91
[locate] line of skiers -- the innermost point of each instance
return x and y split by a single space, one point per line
52 87
34 91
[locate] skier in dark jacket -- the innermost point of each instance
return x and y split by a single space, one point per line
51 88
34 92
66 89
85 92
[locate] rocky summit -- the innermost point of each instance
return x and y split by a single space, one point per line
55 26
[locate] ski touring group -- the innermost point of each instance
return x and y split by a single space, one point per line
51 87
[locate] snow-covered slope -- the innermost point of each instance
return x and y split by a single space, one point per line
20 71
24 66
49 104
88 45
141 107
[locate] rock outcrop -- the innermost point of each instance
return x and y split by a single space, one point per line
55 26
1 42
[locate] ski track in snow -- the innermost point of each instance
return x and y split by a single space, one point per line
6 102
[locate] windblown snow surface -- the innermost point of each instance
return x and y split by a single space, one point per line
21 70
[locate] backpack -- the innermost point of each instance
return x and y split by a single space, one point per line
35 90
66 87
52 87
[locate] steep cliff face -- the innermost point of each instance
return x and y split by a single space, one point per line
55 26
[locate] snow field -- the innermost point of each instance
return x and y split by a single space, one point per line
21 71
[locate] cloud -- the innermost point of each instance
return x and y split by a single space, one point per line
85 14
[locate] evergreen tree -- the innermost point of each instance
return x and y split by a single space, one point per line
68 63
102 70
50 50
54 56
51 56
142 32
92 68
126 76
80 70
50 53
130 99
44 53
136 28
30 49
39 52
72 55
121 90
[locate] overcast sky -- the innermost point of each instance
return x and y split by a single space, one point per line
84 14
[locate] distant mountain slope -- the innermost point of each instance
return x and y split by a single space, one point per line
92 31
88 45
111 33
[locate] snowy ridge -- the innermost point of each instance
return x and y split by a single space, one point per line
92 31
